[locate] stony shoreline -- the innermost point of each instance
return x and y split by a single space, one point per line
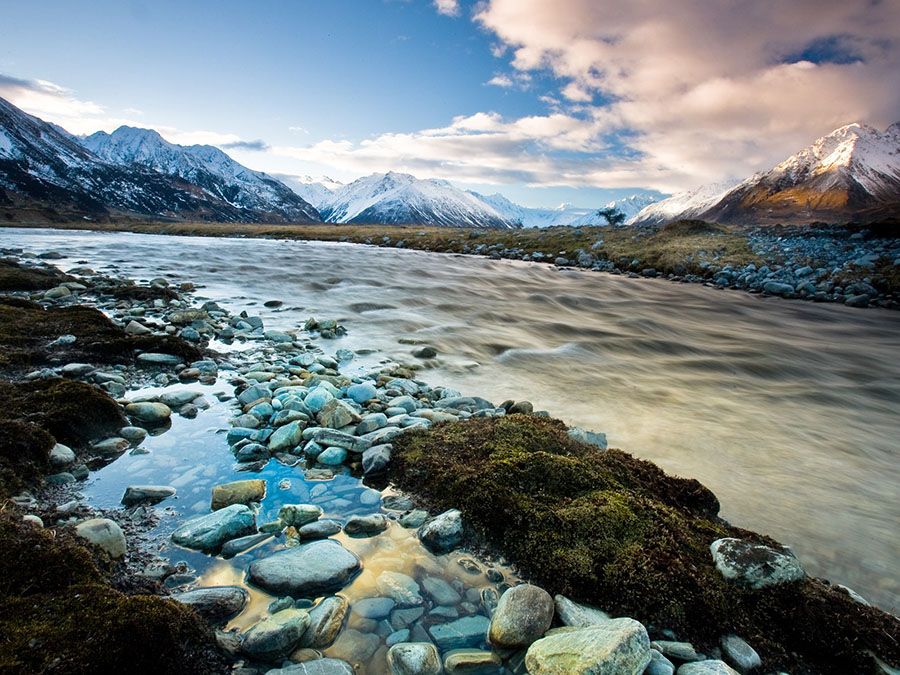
293 405
851 265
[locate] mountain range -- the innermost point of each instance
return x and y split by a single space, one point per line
852 173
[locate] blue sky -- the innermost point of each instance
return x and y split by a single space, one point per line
545 101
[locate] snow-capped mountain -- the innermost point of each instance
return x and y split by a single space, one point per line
563 214
400 199
852 173
50 172
205 166
315 190
688 204
629 206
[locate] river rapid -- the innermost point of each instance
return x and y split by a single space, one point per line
788 411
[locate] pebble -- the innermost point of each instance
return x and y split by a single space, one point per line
414 658
104 533
276 636
523 615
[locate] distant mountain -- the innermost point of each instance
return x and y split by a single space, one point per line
206 167
48 171
315 190
629 206
853 173
401 199
689 204
563 214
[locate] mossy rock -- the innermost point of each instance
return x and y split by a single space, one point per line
617 532
58 614
24 455
15 277
27 329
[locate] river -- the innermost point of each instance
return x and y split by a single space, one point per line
787 410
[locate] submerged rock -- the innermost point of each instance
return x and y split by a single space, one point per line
444 532
414 658
238 492
210 531
617 646
325 622
216 604
707 668
307 570
470 631
150 494
276 636
299 515
327 666
400 588
471 662
366 525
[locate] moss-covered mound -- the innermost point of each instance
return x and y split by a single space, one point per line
58 614
35 415
615 531
26 330
14 277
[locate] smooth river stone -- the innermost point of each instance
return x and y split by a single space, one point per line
414 658
523 615
148 412
617 646
325 622
754 566
574 614
150 494
216 604
209 532
469 631
238 492
307 570
276 636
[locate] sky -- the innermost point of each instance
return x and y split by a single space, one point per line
545 101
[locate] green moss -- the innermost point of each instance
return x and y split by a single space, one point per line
58 614
615 531
24 455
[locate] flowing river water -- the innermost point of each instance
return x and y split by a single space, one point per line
787 410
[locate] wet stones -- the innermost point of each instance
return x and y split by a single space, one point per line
149 412
105 534
523 615
146 494
414 658
336 414
401 588
362 392
468 631
707 668
754 566
366 526
444 532
739 654
276 636
216 604
617 646
238 492
209 532
61 456
286 437
299 515
325 622
306 570
574 614
375 460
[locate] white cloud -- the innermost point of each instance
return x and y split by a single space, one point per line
501 81
447 7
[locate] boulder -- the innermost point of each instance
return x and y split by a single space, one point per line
739 654
209 532
523 615
146 494
443 532
754 566
238 492
276 636
471 662
299 515
105 534
574 614
376 459
61 456
366 525
336 414
286 437
706 668
151 413
619 646
216 604
414 658
307 570
325 622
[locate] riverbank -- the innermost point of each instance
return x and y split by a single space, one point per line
289 369
852 265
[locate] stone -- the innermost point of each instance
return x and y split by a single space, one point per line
470 631
680 651
443 532
706 668
307 570
61 478
413 519
334 438
105 534
332 456
254 393
376 459
133 435
754 566
739 654
241 544
149 494
286 437
61 456
400 587
362 392
57 292
336 414
111 446
861 300
135 328
317 398
589 437
366 525
441 592
617 646
414 658
210 531
471 662
151 413
299 515
176 399
317 667
325 622
216 604
523 615
373 608
777 288
238 492
574 614
354 646
659 665
154 359
319 529
276 636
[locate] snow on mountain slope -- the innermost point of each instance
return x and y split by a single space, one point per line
563 214
202 165
401 199
316 191
688 204
629 206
